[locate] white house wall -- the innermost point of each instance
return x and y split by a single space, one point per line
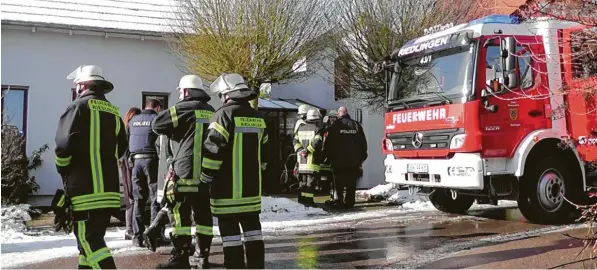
42 60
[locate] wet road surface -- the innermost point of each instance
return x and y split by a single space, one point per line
409 240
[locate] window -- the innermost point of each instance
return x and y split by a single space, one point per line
523 66
162 97
584 54
341 79
14 107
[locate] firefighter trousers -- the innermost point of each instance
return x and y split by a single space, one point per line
90 228
346 178
306 187
254 247
193 206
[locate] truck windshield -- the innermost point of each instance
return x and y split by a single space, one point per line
443 75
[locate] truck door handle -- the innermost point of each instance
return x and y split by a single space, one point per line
535 113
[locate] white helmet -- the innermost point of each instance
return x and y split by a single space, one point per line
303 109
190 82
313 115
90 74
227 83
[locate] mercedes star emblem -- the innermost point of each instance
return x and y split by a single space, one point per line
417 140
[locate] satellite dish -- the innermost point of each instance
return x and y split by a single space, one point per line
265 88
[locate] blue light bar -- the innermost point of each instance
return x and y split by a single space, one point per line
495 18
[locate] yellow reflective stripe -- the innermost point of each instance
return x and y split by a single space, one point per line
307 194
197 149
309 167
318 137
187 189
182 231
99 255
205 230
83 261
92 150
96 205
187 182
203 114
117 131
265 139
103 106
259 160
96 197
176 214
249 122
63 162
173 116
98 156
297 146
220 129
237 165
236 209
83 241
211 164
311 149
61 201
228 202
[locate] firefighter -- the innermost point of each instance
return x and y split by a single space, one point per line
346 149
308 142
186 123
90 138
326 174
235 155
144 156
301 116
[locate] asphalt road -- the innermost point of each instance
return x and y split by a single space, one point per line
413 240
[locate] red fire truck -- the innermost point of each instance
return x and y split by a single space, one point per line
493 110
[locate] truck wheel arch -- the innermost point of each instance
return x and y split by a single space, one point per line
541 142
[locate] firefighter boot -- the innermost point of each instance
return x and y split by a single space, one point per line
151 236
201 256
255 254
180 254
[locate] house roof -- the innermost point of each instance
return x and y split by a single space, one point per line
124 15
279 104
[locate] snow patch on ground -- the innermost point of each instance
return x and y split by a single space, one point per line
13 222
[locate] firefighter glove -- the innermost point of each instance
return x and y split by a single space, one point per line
63 218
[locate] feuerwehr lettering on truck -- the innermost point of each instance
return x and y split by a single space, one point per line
419 116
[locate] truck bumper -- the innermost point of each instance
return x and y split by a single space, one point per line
462 171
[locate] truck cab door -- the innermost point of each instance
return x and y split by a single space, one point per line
508 114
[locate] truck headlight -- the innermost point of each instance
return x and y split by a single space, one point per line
389 145
457 141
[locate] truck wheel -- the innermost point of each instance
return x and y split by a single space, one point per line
442 201
542 190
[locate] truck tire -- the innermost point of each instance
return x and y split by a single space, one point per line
442 201
542 190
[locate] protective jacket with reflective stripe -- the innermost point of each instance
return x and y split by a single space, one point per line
235 149
90 138
142 139
309 137
186 123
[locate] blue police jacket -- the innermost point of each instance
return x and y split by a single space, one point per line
141 137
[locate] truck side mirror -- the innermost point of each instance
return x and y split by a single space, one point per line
507 52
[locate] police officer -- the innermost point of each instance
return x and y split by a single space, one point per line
186 123
326 174
301 116
346 148
144 154
235 151
308 142
90 138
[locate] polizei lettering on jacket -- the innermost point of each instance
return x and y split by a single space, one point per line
419 116
424 46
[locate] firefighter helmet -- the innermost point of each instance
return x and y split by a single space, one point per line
91 75
333 113
227 83
190 82
313 115
303 109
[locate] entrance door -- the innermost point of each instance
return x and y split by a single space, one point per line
162 97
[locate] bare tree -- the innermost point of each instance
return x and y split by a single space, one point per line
368 31
263 40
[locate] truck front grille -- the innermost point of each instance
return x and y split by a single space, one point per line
432 139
